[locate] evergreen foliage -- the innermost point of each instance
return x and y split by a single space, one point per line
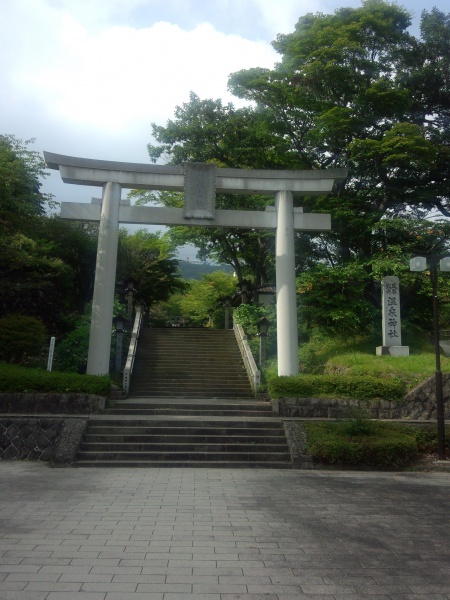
336 386
14 378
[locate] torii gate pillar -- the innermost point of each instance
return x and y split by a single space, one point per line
287 337
105 281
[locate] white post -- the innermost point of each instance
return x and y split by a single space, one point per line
105 279
51 352
287 337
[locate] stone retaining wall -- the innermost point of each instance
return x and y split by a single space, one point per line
418 404
334 408
50 439
44 426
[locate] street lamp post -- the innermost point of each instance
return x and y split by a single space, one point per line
226 304
263 329
119 324
245 290
130 288
419 263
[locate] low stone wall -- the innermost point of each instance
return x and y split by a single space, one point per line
46 427
53 404
420 403
50 439
296 440
334 408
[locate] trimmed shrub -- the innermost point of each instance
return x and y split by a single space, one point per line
21 338
337 386
14 378
387 446
427 438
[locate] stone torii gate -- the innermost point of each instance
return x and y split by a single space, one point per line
200 182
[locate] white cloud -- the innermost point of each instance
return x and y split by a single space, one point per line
94 91
88 77
120 75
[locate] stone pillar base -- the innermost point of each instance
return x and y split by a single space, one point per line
392 350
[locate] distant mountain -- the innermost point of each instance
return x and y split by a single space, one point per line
191 270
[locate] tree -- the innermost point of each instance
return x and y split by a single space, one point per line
22 338
149 259
355 89
203 298
208 131
21 170
46 264
346 93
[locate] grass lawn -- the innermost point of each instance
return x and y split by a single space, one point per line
412 369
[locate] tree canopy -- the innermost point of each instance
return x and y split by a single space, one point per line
148 258
354 88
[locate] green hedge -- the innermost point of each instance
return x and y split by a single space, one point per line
14 378
386 446
338 386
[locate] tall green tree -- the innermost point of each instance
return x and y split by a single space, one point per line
346 92
355 89
149 258
209 131
21 172
46 264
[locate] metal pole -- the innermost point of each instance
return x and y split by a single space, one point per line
227 315
119 337
262 351
440 417
50 353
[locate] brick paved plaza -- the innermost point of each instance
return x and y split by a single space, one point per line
218 534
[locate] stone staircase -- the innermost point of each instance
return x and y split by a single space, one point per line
190 405
189 363
180 433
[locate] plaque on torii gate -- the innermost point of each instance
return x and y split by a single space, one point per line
200 183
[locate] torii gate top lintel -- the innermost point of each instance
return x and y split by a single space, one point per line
92 172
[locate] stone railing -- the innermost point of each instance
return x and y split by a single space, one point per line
249 362
128 370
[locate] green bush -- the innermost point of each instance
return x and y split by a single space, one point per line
337 386
386 446
427 438
21 338
14 378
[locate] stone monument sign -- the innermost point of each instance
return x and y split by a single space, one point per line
392 324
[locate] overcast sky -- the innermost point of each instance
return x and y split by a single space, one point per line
88 77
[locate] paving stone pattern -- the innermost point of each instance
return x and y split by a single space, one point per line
222 534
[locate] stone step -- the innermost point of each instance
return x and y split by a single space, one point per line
195 425
198 378
125 436
184 455
187 447
181 393
186 412
186 363
265 407
205 464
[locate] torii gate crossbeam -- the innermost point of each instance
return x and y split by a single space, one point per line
284 218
